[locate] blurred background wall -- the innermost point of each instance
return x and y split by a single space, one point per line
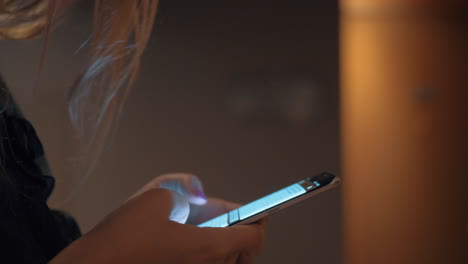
242 93
404 125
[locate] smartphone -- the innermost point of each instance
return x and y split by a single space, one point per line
276 201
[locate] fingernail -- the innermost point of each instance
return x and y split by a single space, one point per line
196 188
199 193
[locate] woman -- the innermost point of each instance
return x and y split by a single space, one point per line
151 226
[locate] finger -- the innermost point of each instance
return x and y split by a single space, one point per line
187 185
240 238
224 244
162 199
170 205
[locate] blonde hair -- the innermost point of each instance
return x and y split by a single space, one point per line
20 19
121 30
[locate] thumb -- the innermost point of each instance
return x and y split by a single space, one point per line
180 208
171 205
188 185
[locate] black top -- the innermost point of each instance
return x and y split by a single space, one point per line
30 232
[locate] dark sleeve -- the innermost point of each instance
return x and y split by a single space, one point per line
69 229
30 232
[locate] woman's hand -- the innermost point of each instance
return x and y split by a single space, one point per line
141 231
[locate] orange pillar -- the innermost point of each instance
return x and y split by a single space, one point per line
404 74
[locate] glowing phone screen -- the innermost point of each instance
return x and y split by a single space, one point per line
256 206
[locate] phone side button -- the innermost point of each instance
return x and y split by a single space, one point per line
234 217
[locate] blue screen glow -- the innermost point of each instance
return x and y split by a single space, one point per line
257 206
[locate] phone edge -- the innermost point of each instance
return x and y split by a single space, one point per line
334 183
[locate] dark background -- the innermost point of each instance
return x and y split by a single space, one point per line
212 99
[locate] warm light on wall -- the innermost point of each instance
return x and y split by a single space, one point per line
404 127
